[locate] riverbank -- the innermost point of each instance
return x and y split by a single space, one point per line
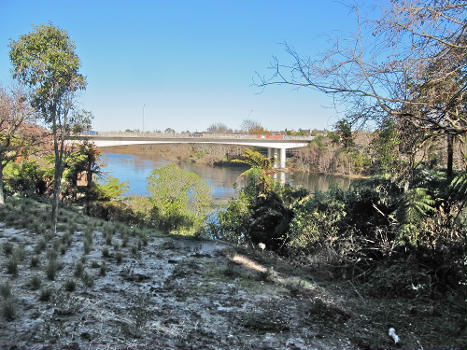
140 289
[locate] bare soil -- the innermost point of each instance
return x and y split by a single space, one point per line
185 294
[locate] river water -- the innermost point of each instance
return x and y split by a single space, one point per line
135 168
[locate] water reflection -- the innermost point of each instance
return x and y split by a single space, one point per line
136 168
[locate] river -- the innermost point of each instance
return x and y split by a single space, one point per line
135 168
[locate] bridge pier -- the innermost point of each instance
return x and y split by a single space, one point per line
279 155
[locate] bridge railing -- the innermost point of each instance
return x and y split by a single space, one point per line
198 135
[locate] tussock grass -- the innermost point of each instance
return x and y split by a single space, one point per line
119 257
103 269
51 269
40 246
35 282
8 309
5 290
87 246
46 293
88 279
19 253
105 252
7 248
12 266
69 285
79 269
35 261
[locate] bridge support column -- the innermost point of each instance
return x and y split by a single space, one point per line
269 153
276 158
283 158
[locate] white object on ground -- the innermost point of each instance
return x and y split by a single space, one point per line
393 335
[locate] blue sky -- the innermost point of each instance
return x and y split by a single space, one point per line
191 63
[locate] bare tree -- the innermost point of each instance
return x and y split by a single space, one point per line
252 127
17 130
409 63
218 128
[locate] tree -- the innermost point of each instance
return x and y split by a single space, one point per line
179 198
416 74
45 60
344 134
219 128
16 130
252 127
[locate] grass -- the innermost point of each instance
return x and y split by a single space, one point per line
12 266
40 246
103 269
5 290
87 279
79 269
119 257
70 285
52 268
35 282
9 309
87 246
45 293
35 260
7 248
105 252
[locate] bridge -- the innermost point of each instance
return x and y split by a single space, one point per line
275 145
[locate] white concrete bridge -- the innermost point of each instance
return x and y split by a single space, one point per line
276 145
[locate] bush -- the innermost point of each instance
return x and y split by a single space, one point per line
179 199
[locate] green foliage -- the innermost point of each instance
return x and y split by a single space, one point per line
46 62
415 205
112 189
26 178
343 134
317 220
179 199
261 214
254 159
385 147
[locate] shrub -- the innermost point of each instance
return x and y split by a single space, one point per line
179 198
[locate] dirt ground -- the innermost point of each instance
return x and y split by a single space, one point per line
156 292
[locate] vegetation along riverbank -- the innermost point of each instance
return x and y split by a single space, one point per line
379 265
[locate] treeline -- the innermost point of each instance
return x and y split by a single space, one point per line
364 153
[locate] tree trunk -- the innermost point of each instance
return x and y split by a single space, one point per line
450 150
2 196
56 197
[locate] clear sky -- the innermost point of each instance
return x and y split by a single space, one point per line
190 63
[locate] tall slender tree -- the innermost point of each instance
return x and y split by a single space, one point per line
45 61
